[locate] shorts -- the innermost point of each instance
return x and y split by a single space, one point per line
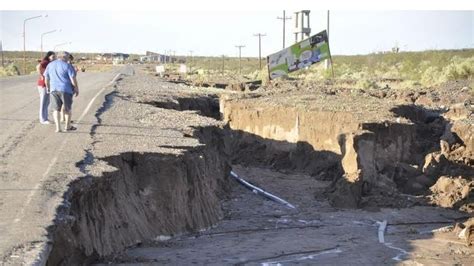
59 98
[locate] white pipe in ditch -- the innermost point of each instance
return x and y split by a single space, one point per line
260 191
381 231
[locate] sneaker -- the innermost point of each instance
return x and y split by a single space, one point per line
71 128
45 122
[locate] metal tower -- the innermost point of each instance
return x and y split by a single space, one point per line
302 29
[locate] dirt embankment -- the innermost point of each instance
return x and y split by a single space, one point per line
151 173
256 136
149 195
380 146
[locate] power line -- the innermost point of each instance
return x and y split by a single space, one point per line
260 35
284 18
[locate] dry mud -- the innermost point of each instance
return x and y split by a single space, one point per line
158 188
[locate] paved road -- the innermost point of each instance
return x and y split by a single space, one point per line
36 164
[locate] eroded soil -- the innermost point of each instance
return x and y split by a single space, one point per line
158 189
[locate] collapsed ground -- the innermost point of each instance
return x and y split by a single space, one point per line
161 171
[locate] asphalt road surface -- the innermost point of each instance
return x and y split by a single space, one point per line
36 164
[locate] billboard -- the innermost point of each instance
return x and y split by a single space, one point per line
299 55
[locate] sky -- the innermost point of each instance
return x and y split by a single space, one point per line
217 33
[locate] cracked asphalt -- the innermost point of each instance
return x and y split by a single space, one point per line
37 164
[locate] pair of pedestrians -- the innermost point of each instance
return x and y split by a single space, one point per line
60 83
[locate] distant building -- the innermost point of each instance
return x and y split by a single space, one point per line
120 57
115 57
156 58
104 57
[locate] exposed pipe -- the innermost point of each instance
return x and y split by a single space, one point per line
260 191
381 231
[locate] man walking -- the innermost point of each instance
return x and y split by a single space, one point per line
61 82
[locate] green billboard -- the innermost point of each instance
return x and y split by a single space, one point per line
299 55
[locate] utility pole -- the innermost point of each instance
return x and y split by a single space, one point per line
284 18
260 35
240 57
327 63
223 64
24 40
172 54
1 49
191 61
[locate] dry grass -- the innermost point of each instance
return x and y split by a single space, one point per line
426 68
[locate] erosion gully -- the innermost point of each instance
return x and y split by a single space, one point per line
187 209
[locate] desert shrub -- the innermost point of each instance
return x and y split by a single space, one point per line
201 71
253 75
392 72
367 84
431 76
10 70
459 69
455 69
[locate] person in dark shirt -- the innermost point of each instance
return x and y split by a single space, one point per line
44 95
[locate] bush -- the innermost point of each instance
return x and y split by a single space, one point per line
367 84
10 70
459 69
456 69
431 76
263 76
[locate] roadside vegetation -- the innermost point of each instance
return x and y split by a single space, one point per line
426 68
9 70
404 69
14 64
401 70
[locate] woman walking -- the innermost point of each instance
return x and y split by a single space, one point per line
44 96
